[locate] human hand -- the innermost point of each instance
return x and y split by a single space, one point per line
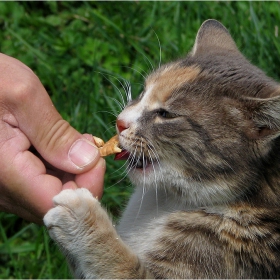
29 181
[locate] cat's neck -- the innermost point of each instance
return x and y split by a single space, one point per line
146 205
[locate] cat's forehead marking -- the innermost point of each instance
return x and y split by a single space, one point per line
169 79
159 86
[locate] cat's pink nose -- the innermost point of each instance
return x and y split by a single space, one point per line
121 125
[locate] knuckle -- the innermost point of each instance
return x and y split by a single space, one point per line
57 136
23 90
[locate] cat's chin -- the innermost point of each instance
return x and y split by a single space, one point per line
144 168
144 174
143 165
137 179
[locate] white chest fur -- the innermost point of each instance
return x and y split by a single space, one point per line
145 216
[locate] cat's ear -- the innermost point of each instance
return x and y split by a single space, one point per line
212 35
265 115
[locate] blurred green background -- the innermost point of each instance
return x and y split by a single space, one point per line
81 51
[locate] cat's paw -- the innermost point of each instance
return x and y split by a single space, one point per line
85 234
72 216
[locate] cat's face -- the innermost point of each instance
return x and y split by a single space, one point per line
200 121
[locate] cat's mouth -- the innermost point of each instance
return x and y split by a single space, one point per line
123 155
140 162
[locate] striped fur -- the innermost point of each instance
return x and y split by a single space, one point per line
204 147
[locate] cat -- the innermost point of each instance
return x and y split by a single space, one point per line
203 149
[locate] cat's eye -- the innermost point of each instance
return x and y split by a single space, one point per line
165 114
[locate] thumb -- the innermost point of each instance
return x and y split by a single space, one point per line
57 142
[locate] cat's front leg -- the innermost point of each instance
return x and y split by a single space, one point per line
87 237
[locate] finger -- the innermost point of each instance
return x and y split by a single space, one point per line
31 110
26 190
35 190
93 180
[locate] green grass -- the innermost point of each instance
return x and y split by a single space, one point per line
79 50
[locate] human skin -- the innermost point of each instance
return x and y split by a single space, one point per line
41 154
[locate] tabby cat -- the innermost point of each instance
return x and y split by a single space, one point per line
203 148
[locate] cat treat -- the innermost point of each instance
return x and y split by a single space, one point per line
110 147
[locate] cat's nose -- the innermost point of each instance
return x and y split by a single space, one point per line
121 125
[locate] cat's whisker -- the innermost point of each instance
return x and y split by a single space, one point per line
127 169
112 127
155 175
124 173
153 150
121 106
131 159
133 162
129 166
144 180
119 169
120 180
128 91
112 123
108 112
141 202
160 51
144 77
123 103
149 61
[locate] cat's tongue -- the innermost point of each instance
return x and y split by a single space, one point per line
123 155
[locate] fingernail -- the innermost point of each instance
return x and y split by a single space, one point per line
82 153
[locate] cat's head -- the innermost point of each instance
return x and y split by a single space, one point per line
204 124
